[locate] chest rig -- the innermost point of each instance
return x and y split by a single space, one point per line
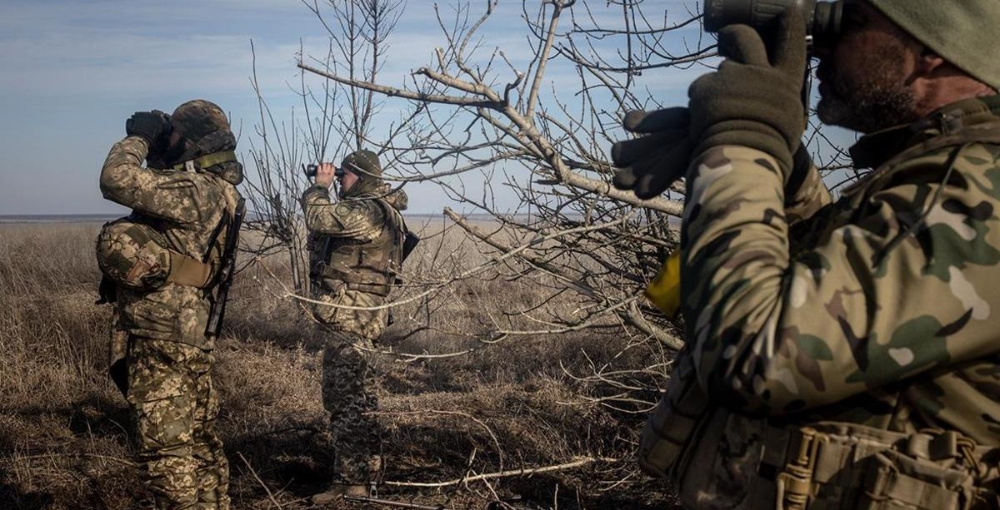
363 266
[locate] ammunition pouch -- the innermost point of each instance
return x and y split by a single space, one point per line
832 465
671 429
134 256
721 459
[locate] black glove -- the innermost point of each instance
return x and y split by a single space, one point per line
648 165
754 99
149 125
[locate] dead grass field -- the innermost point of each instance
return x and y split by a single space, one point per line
518 404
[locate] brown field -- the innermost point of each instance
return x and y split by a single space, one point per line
520 403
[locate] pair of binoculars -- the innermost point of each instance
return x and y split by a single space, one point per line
823 19
310 171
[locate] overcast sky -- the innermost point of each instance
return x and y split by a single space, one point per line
74 70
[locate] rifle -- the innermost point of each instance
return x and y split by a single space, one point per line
224 278
410 241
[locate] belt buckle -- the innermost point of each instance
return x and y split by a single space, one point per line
794 481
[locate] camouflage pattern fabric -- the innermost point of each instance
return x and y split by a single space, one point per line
350 390
367 325
190 206
169 363
877 309
128 254
175 405
349 379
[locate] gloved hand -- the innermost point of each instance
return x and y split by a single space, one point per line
754 99
648 165
149 125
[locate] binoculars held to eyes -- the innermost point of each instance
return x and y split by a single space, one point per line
310 171
823 19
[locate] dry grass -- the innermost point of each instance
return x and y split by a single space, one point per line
64 429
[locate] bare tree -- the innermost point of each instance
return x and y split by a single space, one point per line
544 140
333 113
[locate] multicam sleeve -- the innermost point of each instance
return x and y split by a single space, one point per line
170 195
359 219
810 196
905 285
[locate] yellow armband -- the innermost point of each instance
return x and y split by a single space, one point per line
665 290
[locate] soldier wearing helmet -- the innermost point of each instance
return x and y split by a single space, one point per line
163 267
357 251
839 354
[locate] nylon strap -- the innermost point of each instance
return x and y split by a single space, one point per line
210 160
842 445
354 281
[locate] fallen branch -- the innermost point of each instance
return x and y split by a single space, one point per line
261 482
78 455
503 474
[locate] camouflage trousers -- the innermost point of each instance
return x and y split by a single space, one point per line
350 396
175 405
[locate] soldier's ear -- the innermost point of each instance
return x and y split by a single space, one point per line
930 64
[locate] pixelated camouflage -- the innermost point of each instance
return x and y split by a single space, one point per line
363 163
132 255
357 243
873 314
175 406
186 208
204 129
350 394
169 386
357 247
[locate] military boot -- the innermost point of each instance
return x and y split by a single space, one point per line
337 491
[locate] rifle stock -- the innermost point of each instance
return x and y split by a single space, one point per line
226 272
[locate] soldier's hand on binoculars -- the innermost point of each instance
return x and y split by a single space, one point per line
149 125
648 165
324 174
754 99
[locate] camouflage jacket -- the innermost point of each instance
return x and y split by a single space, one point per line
363 222
876 309
189 207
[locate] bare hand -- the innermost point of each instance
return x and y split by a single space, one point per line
324 174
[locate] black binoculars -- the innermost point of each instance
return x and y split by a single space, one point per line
310 171
823 19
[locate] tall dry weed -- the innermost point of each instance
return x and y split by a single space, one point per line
510 402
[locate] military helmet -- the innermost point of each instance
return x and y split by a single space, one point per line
132 256
963 32
205 128
362 163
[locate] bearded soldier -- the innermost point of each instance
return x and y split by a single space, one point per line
838 355
168 265
357 250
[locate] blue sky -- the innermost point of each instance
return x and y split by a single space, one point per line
74 70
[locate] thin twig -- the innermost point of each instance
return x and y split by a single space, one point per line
261 482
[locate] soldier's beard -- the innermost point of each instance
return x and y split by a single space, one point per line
868 102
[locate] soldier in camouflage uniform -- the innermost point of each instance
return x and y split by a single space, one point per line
357 250
840 355
164 260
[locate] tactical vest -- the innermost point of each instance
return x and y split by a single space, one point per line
134 254
364 266
719 458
